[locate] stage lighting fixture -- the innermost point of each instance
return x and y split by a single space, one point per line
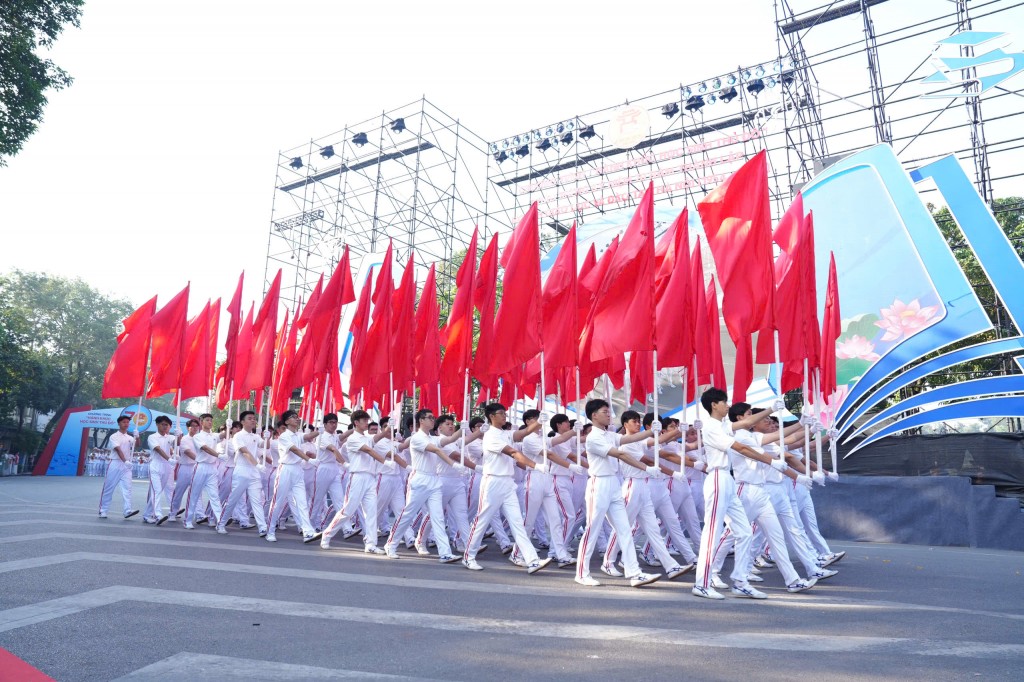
537 136
730 79
777 67
755 87
687 92
359 139
694 103
729 95
717 84
505 144
587 133
549 132
787 78
516 141
523 151
710 99
544 145
296 163
671 109
759 71
567 139
494 147
771 82
746 75
500 156
327 152
398 125
702 88
570 125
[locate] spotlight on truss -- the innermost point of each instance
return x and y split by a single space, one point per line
398 125
694 103
567 139
729 95
544 145
755 87
500 156
296 163
671 109
587 132
327 152
359 139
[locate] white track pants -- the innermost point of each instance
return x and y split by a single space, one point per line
603 500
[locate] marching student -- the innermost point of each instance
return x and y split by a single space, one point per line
119 471
329 464
604 495
205 476
539 495
361 490
161 473
475 454
185 467
390 482
803 506
454 488
245 478
226 466
424 488
289 483
498 491
720 499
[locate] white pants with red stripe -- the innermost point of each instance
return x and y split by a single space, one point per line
290 489
247 481
119 476
803 505
161 485
801 547
390 498
423 490
453 501
182 480
720 504
205 479
326 482
474 505
604 501
761 512
686 509
498 494
666 512
541 495
360 493
636 494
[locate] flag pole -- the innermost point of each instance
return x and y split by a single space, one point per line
608 394
686 388
656 424
541 405
579 416
696 410
817 413
805 417
465 414
778 371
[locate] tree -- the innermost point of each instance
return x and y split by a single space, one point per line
62 333
25 27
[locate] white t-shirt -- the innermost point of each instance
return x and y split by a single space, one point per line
672 447
771 447
636 451
422 461
359 461
273 455
454 453
382 448
187 443
125 442
496 462
744 469
165 443
718 438
564 449
323 442
475 451
285 442
599 443
207 439
533 447
249 441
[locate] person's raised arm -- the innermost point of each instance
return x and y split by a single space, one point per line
523 433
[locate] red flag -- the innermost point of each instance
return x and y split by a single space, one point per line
378 339
281 392
674 316
126 372
703 340
358 379
558 299
168 345
231 343
264 336
302 317
641 375
457 334
428 344
737 221
235 383
623 312
588 284
211 351
484 298
320 319
403 326
196 370
517 326
719 379
831 328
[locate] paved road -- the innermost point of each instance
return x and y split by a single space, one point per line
89 599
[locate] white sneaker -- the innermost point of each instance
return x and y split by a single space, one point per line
222 530
641 579
801 585
830 559
823 573
103 515
325 544
706 592
588 581
372 549
748 592
611 570
189 525
448 559
271 537
422 549
472 565
390 551
677 571
537 565
311 537
518 561
754 578
718 583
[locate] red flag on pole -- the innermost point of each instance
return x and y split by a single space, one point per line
622 322
211 351
558 299
403 328
702 338
428 344
243 349
168 345
126 372
231 343
264 337
484 299
517 326
457 334
280 391
674 324
378 339
588 284
358 379
714 328
196 370
831 328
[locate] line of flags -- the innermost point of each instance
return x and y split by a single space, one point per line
642 297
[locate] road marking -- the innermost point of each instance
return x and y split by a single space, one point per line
19 617
664 592
187 665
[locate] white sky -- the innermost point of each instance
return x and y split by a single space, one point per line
157 166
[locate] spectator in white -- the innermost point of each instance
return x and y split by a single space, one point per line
161 475
119 473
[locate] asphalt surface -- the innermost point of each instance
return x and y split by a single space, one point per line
88 599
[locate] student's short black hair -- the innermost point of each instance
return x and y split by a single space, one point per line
191 422
737 411
493 408
648 420
288 415
330 417
531 414
629 415
205 415
593 406
443 419
556 420
245 414
358 415
123 417
162 420
474 422
711 396
421 414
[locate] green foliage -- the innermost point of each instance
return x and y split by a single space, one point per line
56 338
26 26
